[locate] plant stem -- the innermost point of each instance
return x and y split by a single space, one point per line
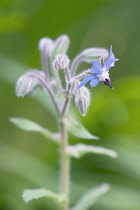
65 160
65 166
75 63
50 91
68 99
44 62
57 78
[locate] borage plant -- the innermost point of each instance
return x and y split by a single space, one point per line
54 59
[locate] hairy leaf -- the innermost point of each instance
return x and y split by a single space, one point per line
77 129
28 125
79 150
30 194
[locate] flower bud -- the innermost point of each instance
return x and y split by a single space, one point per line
82 100
73 86
61 62
86 93
61 45
26 83
81 104
46 44
94 54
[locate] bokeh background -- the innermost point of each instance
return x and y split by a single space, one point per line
28 160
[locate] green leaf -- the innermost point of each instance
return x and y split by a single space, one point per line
28 125
79 150
89 199
29 195
77 129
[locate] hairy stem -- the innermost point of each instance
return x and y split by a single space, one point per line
44 62
66 105
75 63
51 95
47 87
57 78
65 160
65 167
68 99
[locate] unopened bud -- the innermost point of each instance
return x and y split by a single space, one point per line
26 83
61 62
61 45
81 104
94 54
46 44
82 100
73 86
86 93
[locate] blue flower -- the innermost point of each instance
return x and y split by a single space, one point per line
100 71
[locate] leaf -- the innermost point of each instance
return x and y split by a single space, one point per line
28 125
77 129
30 194
79 150
89 199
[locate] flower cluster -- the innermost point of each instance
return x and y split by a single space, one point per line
54 58
62 88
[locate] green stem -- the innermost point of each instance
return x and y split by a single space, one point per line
57 78
65 160
65 166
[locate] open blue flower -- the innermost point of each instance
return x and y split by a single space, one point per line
100 71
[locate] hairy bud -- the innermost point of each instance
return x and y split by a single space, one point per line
82 100
73 86
61 61
46 45
81 103
61 45
93 54
27 82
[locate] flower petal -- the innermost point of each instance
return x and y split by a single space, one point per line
94 81
96 67
85 80
110 61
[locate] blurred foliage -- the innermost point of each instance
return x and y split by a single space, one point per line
27 160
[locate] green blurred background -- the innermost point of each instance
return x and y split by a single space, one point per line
28 160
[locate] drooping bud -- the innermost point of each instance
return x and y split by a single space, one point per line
88 55
94 54
61 45
27 82
81 104
61 61
82 100
86 93
46 45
